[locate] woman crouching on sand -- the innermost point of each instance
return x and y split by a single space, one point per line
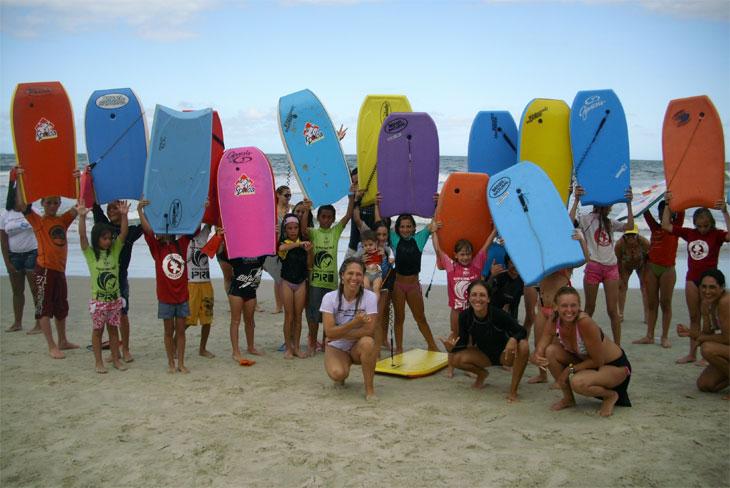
488 336
582 360
714 339
349 316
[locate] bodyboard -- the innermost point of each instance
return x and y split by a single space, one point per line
408 164
413 364
492 142
217 146
644 199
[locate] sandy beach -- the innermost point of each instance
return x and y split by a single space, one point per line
282 423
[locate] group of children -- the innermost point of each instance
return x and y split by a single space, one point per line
306 264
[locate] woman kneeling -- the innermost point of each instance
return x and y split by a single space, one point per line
350 315
487 337
582 360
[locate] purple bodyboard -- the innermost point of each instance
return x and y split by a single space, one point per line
408 164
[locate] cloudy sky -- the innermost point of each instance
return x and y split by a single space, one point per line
451 59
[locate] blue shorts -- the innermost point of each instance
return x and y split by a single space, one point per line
167 311
124 293
23 261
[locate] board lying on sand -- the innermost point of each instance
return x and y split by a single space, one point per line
694 153
408 164
44 138
644 199
533 221
313 149
247 202
599 138
463 212
176 179
492 142
413 364
116 143
373 112
545 140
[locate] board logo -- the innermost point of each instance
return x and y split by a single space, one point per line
163 143
36 91
173 266
289 119
312 133
385 110
621 170
500 186
112 101
45 129
395 125
239 157
58 235
681 118
244 186
535 115
174 214
495 125
589 104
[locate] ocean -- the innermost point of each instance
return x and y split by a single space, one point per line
643 174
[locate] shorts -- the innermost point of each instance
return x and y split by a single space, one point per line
124 293
316 294
167 311
596 273
373 275
622 389
51 293
200 303
103 313
345 345
23 261
247 292
272 265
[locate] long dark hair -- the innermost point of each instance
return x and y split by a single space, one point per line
341 286
703 212
603 221
97 231
400 219
282 232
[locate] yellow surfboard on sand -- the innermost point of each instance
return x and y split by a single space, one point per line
413 364
545 140
374 110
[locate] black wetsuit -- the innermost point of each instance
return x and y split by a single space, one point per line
506 290
489 334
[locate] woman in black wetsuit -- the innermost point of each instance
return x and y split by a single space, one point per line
488 336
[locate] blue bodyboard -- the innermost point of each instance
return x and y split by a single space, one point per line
531 218
313 149
599 139
178 167
116 143
492 142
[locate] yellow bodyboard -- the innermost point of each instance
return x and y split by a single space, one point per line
374 110
545 140
413 364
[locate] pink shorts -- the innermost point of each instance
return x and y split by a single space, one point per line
103 313
596 273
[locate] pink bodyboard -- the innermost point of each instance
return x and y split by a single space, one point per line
247 203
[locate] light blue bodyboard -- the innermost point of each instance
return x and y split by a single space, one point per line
532 219
599 139
116 143
492 142
178 168
313 149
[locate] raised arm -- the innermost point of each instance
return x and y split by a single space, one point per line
629 195
350 205
124 224
721 205
667 214
579 192
83 238
146 227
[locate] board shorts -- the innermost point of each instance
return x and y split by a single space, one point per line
596 273
166 311
272 265
314 301
103 313
247 293
23 261
51 293
200 303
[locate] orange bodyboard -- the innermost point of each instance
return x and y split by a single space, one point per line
45 142
463 211
694 153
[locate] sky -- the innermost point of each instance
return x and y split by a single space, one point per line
452 59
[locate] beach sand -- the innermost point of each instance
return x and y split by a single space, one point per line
282 423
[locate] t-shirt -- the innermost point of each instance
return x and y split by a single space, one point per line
458 277
20 233
345 311
663 244
134 232
600 243
507 291
703 251
104 272
51 235
247 273
324 246
170 274
197 261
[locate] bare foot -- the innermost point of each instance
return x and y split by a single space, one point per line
686 359
254 351
540 378
236 357
312 348
512 398
644 340
56 353
606 409
561 404
702 363
206 354
301 354
35 330
450 372
288 354
274 312
183 369
119 365
171 369
371 397
14 328
100 369
67 345
507 368
127 357
479 382
665 343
